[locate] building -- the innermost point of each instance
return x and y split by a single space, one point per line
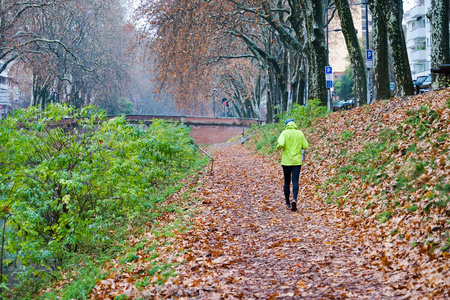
417 33
5 102
336 77
11 96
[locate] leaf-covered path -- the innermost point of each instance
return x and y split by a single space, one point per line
245 244
249 245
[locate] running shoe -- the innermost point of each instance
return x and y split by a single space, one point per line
294 206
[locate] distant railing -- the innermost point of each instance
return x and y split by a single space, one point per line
196 121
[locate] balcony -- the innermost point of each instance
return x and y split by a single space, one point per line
411 44
418 33
418 55
417 11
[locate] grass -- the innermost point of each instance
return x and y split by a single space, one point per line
85 275
384 216
347 135
266 141
371 164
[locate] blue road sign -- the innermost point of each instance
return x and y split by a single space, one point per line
329 76
369 54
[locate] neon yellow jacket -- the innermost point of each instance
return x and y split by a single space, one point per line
292 141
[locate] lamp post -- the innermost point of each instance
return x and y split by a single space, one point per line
367 48
214 102
367 42
328 56
335 30
328 63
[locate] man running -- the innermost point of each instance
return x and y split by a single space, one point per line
293 143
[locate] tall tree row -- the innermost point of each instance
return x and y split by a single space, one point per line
269 34
201 48
73 50
380 48
392 12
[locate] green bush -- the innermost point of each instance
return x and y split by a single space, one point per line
305 115
62 188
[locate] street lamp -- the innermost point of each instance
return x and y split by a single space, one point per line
328 63
328 54
367 48
367 43
214 102
328 57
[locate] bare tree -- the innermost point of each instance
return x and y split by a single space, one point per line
75 52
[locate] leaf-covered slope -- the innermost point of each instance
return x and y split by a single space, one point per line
389 165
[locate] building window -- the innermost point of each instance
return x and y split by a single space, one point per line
421 46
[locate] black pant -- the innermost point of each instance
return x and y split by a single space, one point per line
287 170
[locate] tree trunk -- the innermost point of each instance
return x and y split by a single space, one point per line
356 58
283 81
440 52
314 19
393 14
41 91
274 81
380 53
260 92
270 100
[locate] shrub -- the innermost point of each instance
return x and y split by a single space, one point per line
305 115
62 188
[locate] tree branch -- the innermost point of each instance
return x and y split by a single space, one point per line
284 34
7 62
253 47
235 56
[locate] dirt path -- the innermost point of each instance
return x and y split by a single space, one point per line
245 244
249 245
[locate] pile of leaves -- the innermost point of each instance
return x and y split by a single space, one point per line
69 179
388 164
